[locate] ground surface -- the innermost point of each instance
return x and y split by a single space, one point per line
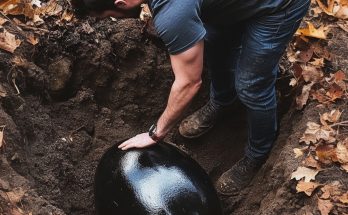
82 91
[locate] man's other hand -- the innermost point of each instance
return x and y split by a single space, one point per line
139 141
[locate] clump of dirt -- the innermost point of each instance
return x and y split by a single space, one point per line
92 83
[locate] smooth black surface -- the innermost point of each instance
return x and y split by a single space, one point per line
156 180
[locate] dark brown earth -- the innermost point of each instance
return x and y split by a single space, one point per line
82 91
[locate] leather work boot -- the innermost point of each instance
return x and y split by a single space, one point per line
238 177
200 122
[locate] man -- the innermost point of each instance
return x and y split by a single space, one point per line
244 41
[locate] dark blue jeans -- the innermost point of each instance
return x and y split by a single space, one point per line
243 62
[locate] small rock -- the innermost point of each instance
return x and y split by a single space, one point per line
59 73
15 157
4 185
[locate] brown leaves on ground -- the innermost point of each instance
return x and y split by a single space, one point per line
324 144
308 63
331 190
344 198
304 172
8 41
309 161
316 132
336 8
321 141
311 31
310 56
342 152
330 117
29 10
34 12
327 89
306 187
331 194
302 99
325 206
326 153
3 21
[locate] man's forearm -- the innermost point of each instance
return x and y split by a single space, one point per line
180 96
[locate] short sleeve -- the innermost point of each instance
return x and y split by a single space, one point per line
178 23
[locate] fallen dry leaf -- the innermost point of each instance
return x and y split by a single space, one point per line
324 206
312 74
345 167
67 16
32 39
311 31
298 152
344 198
36 3
304 172
311 162
306 187
3 21
315 11
339 76
315 132
321 51
331 190
343 26
305 55
342 152
336 8
308 138
335 92
318 62
328 8
326 154
8 41
332 117
17 7
302 99
297 70
320 96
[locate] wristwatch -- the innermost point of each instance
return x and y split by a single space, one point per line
153 134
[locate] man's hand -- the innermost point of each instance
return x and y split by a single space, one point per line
139 141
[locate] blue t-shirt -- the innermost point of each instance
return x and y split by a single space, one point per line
179 23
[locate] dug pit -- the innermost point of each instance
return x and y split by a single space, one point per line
82 91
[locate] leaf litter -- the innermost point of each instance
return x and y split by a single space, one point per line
324 145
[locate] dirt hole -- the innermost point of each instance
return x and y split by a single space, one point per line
80 93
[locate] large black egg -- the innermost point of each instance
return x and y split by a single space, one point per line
157 180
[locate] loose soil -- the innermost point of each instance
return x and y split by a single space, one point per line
82 91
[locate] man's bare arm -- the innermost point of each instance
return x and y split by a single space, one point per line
187 67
